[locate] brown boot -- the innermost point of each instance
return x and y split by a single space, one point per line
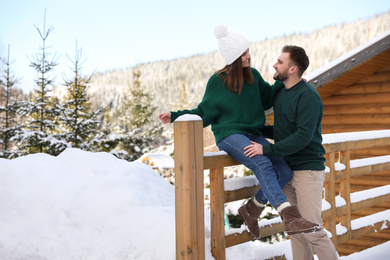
295 224
250 213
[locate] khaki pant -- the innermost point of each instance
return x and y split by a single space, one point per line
305 190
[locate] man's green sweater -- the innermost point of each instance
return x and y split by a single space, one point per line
229 113
297 128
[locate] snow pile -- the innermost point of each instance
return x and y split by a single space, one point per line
83 205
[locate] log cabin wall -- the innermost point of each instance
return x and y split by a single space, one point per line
357 98
362 106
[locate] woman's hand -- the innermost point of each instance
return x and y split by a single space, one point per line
165 117
253 149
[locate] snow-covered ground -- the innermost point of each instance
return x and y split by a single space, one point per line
82 205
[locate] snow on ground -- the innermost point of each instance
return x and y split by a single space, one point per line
82 205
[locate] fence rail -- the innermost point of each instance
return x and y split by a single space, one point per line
190 163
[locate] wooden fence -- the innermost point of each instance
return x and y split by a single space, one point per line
190 164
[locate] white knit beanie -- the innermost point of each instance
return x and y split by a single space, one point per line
231 45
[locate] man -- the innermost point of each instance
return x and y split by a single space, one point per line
297 134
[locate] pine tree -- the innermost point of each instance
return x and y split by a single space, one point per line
183 102
136 127
40 134
81 127
10 127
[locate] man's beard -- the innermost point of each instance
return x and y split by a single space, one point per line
280 76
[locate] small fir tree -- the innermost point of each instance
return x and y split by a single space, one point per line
136 127
10 126
40 134
81 128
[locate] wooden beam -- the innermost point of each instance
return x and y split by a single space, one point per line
356 109
358 99
240 194
360 232
332 129
366 88
189 186
218 161
357 145
265 231
375 119
217 209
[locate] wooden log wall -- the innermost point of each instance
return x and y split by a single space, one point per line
362 106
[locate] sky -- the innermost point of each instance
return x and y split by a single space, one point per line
119 34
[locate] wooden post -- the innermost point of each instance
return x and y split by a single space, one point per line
330 194
217 209
345 191
189 186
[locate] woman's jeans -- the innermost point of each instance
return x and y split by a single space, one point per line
273 173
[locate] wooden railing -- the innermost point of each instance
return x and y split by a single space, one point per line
190 163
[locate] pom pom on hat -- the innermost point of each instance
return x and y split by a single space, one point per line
231 45
220 31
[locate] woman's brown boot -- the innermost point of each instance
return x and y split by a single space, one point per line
250 213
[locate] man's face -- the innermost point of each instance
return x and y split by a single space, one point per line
282 66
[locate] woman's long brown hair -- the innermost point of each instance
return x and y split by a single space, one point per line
235 75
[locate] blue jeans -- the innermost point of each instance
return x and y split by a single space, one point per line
273 173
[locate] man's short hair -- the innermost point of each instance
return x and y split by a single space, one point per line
298 57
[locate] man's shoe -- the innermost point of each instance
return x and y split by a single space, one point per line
294 223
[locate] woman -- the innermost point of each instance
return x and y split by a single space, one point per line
231 105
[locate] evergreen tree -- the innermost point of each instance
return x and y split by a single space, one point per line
136 128
40 134
10 127
183 102
81 126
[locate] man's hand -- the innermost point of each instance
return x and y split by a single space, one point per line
253 149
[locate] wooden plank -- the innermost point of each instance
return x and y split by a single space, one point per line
373 119
357 233
377 78
218 161
241 193
366 153
378 181
217 209
265 231
368 203
330 129
369 169
366 242
357 109
366 88
382 98
357 145
355 207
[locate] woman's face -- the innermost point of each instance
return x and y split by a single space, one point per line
246 59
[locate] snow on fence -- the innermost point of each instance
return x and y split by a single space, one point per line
190 163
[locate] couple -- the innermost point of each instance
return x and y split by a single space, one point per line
291 172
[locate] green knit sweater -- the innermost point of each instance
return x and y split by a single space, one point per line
229 113
297 128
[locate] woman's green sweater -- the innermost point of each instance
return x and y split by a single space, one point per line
229 113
